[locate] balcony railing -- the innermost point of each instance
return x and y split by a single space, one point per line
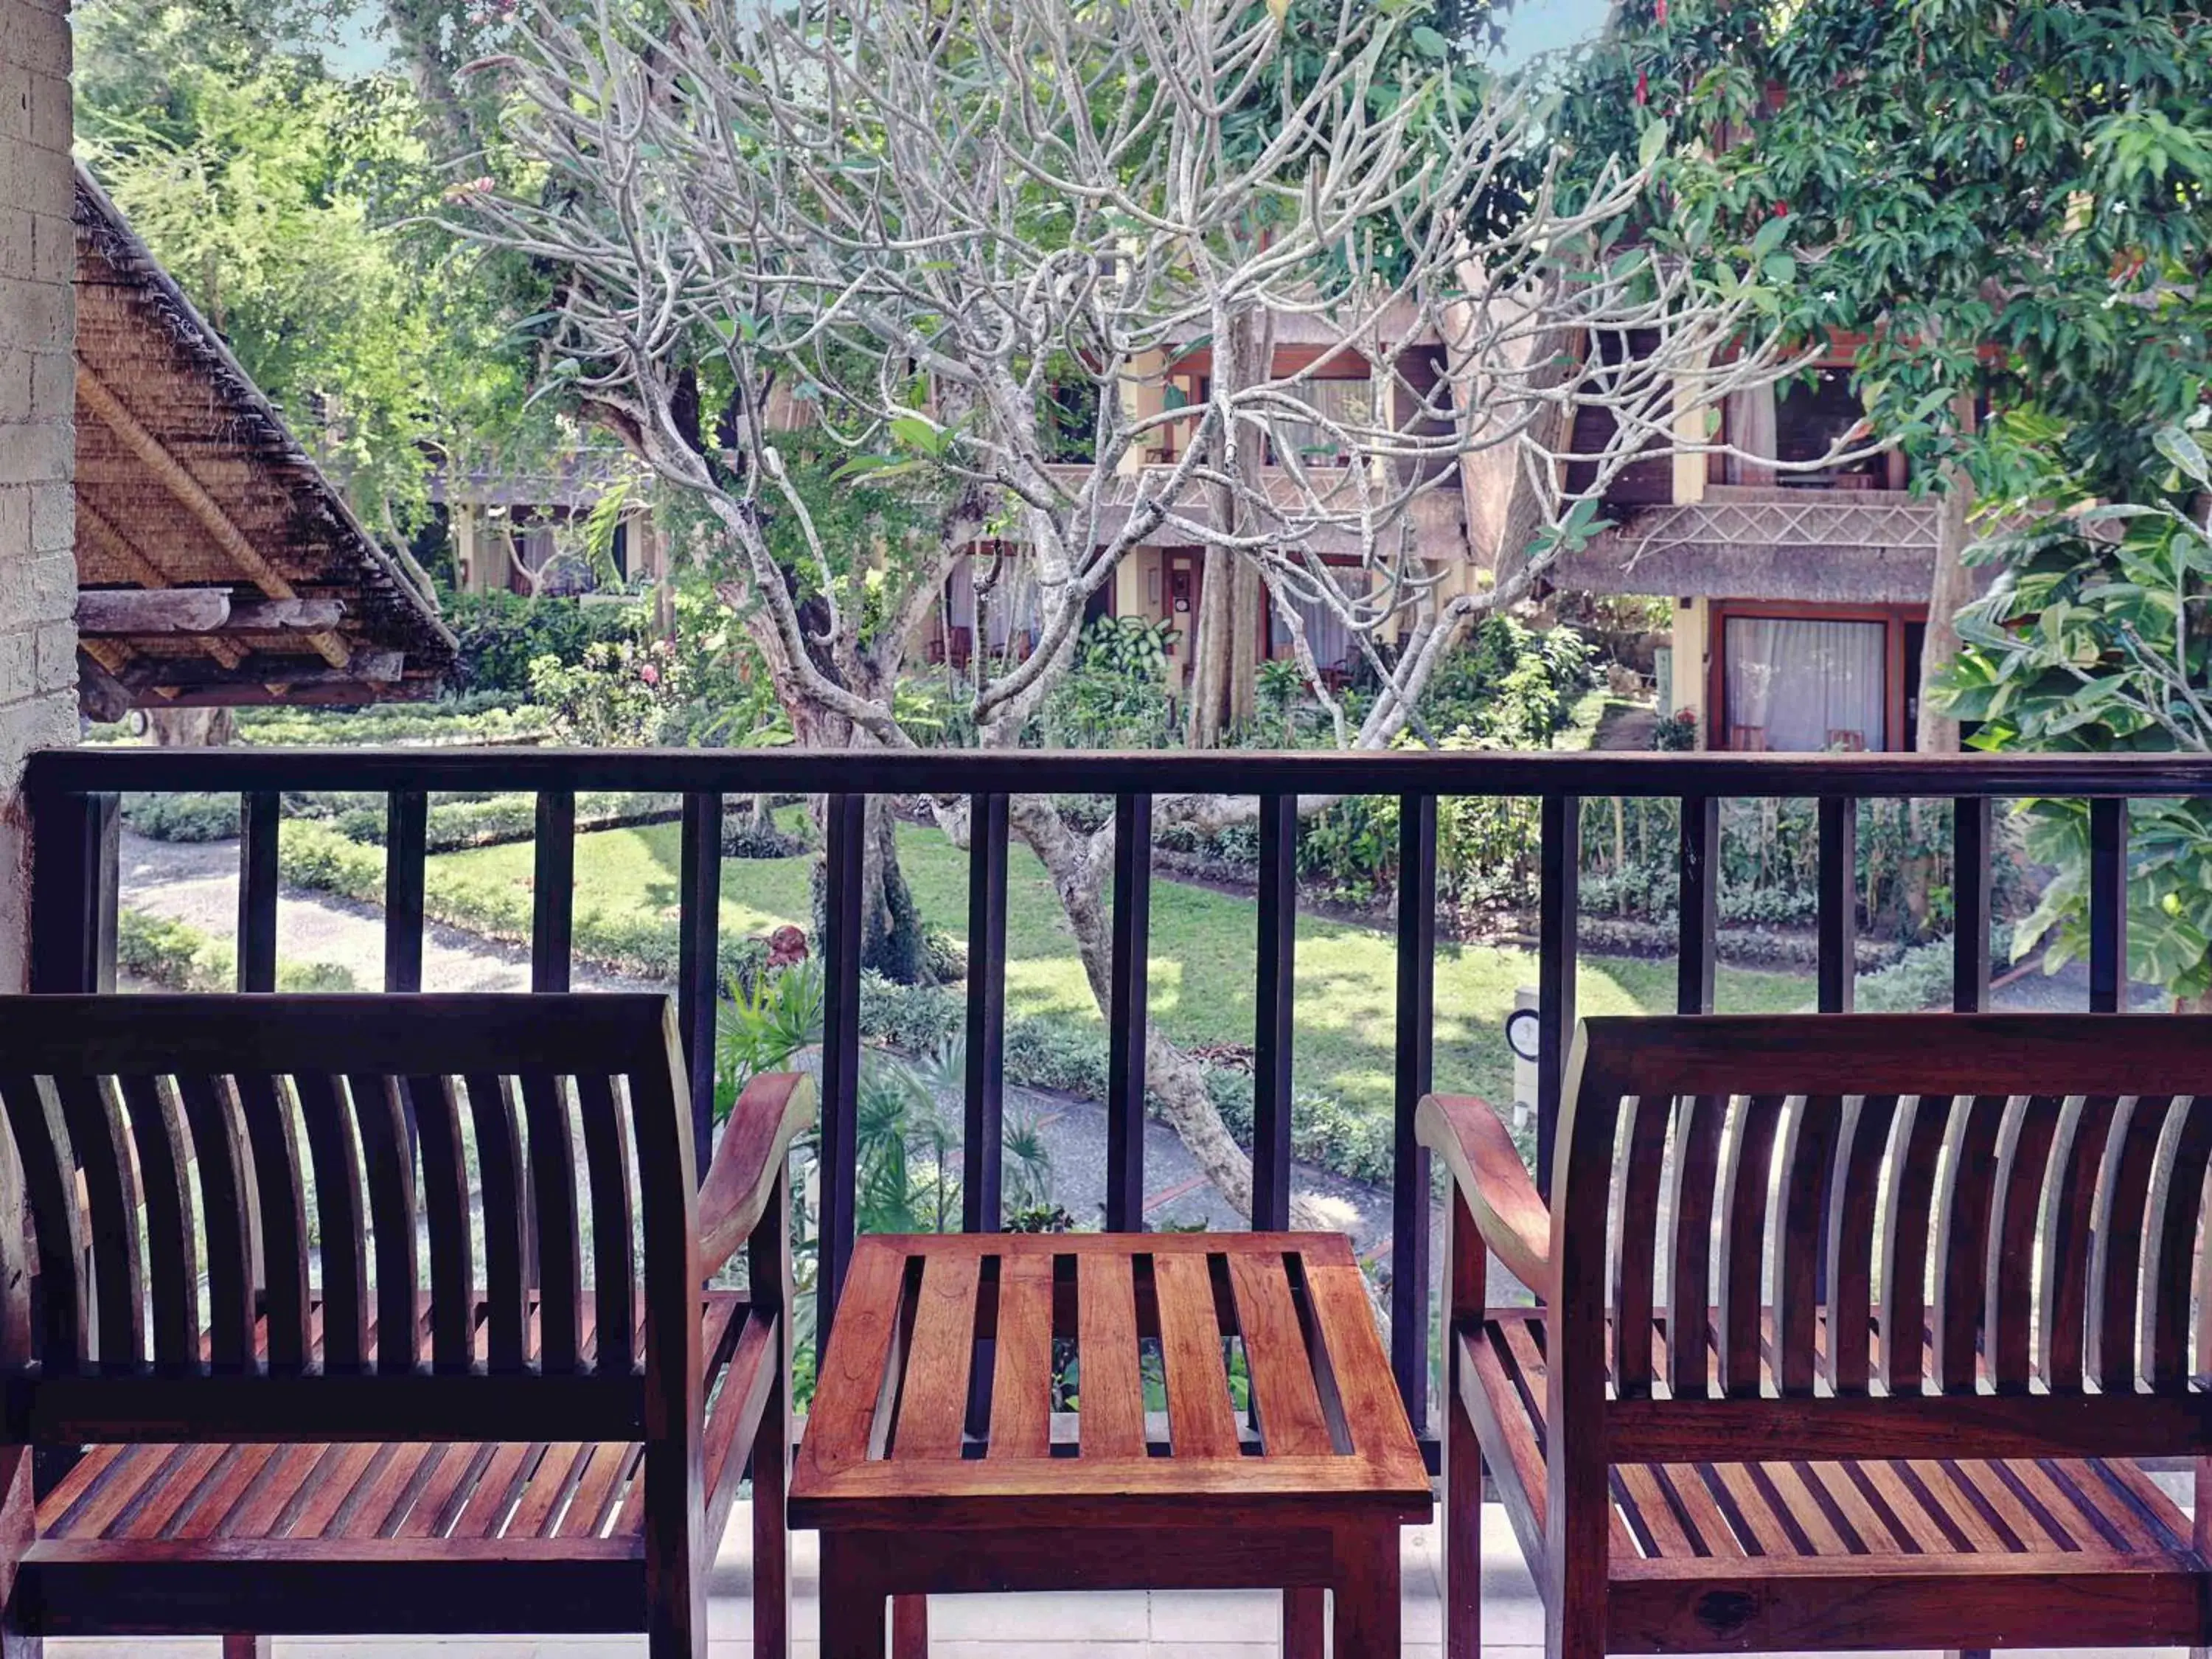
74 795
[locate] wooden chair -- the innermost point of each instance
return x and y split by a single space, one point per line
548 1439
1906 1406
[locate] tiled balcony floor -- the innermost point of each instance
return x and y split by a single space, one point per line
1131 1625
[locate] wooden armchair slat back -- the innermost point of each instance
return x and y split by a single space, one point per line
211 1197
1939 1205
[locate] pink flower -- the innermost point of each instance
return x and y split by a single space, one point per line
649 674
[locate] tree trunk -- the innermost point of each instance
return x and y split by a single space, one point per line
891 926
1226 644
891 935
1210 646
1948 592
1246 647
191 728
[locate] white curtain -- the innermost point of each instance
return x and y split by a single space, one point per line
1011 607
1750 427
1348 403
960 595
1803 687
1327 636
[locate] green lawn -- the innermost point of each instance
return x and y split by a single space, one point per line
1202 957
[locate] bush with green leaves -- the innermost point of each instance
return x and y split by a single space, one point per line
749 838
501 634
2088 642
187 816
495 718
317 857
169 953
178 956
454 823
1116 697
623 694
1511 683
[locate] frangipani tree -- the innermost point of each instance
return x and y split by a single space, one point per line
907 230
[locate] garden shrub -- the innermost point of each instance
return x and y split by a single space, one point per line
171 953
491 820
749 838
1921 978
191 815
315 976
501 634
317 857
1046 1052
498 718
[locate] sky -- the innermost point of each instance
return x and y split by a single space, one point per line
1532 27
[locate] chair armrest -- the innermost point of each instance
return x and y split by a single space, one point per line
1512 1218
751 1156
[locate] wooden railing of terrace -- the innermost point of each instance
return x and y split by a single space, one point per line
74 797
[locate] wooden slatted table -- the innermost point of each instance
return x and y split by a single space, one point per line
1114 1411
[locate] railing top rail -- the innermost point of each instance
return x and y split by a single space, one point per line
1028 771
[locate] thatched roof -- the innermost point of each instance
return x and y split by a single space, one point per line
217 564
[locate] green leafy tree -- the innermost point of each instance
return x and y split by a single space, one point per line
288 201
2007 201
2096 636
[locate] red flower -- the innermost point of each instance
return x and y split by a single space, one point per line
1643 88
1659 13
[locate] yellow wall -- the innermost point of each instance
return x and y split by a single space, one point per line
1692 637
1132 592
1690 424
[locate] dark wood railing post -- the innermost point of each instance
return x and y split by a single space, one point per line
406 843
1274 999
1698 924
1410 1195
1558 907
76 855
553 890
256 889
698 957
1128 981
982 1133
1970 847
2108 905
842 873
1839 924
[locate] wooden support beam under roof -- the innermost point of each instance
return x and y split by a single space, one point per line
147 575
163 674
199 610
174 477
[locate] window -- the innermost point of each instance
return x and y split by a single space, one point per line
1804 685
1809 421
1327 634
1346 403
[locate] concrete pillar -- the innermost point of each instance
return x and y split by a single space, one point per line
38 433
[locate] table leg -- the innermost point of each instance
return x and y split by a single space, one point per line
1303 1611
1367 1615
1462 1529
910 1628
853 1624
